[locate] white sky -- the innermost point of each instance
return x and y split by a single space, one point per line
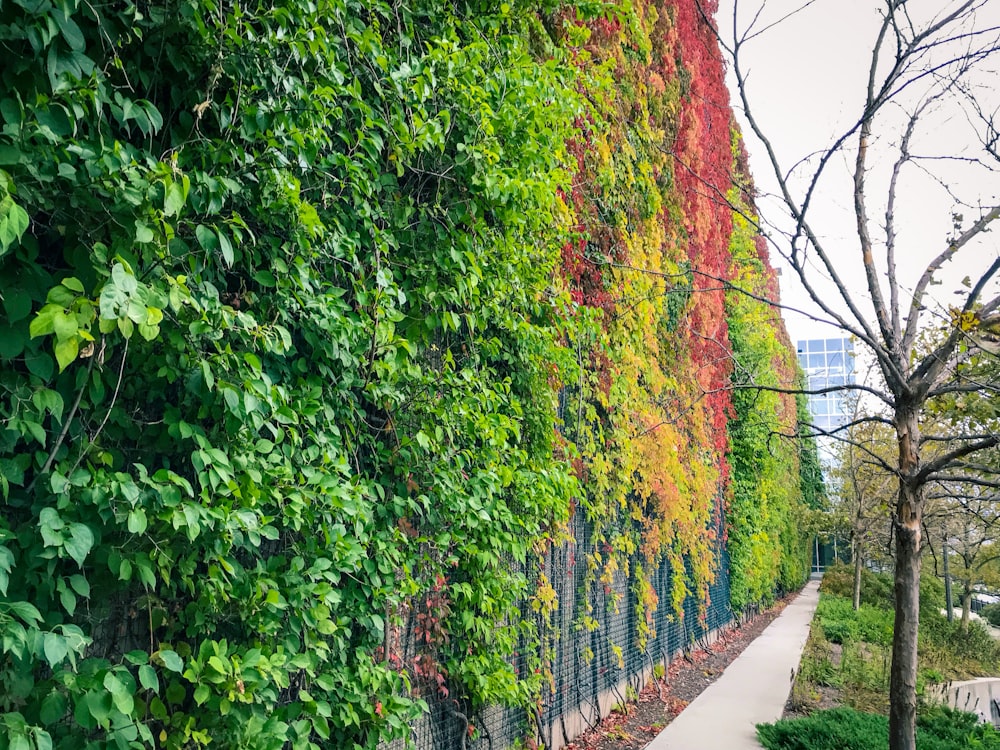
807 79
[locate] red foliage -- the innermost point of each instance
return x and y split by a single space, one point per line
704 162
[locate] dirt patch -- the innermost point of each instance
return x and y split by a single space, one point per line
820 698
661 700
809 694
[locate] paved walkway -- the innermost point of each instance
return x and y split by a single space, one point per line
753 689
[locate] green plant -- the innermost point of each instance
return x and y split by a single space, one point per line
843 624
277 330
991 613
836 729
293 295
847 729
839 631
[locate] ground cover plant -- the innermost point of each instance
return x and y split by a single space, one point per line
849 729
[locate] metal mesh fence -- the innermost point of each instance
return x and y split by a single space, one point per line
593 655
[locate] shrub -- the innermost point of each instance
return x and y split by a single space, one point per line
836 729
991 613
877 588
837 580
874 625
839 631
931 595
842 624
846 729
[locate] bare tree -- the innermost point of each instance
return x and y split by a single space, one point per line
929 62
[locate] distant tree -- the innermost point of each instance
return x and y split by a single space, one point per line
862 492
967 523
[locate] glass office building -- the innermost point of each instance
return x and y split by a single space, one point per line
827 363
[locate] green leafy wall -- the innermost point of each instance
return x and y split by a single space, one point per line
767 543
295 298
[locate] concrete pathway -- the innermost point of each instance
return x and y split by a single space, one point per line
753 689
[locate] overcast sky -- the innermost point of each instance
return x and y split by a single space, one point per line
807 78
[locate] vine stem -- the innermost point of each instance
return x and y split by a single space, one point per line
65 428
111 406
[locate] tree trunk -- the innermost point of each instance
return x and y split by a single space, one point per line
903 676
948 601
909 509
856 552
966 604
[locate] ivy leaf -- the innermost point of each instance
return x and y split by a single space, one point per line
44 322
16 303
171 660
173 199
68 600
265 278
49 401
63 325
55 648
142 232
148 678
207 238
80 585
99 704
120 694
227 249
137 521
13 223
66 351
79 543
28 613
53 708
73 284
71 32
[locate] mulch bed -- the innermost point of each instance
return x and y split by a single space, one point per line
661 701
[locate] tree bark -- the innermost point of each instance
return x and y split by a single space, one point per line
903 676
909 510
857 573
966 604
948 601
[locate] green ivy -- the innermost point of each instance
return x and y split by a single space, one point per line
771 471
277 322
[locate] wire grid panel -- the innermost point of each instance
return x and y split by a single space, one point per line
586 669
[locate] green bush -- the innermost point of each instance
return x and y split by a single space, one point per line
842 624
931 595
877 588
839 631
846 729
991 613
837 729
875 625
970 652
943 728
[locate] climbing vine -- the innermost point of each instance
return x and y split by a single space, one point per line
278 328
320 320
767 547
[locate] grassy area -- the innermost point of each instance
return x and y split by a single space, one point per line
846 664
